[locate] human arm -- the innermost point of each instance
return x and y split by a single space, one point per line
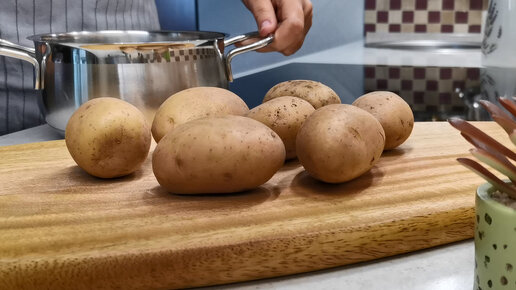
288 20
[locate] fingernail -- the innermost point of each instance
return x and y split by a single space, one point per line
265 24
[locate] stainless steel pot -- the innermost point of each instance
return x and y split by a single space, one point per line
141 67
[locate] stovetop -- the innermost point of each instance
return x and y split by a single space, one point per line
433 93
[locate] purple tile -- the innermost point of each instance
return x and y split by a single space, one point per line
421 4
406 85
445 98
475 4
370 4
473 73
431 109
474 29
369 28
419 73
461 17
394 28
419 97
445 73
431 85
394 73
382 17
420 28
395 5
369 72
381 84
434 16
407 17
459 85
458 109
448 4
445 28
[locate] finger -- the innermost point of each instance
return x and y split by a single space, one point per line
308 14
308 11
252 40
264 15
291 29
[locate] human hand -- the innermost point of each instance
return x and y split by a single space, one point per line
289 20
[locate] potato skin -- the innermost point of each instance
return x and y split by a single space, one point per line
284 115
339 142
108 137
393 113
316 93
217 155
195 103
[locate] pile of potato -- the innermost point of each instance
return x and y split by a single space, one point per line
210 142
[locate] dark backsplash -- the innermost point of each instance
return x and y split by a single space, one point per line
433 93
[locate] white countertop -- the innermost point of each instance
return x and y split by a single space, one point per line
448 267
356 53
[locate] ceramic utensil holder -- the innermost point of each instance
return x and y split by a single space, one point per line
495 242
499 39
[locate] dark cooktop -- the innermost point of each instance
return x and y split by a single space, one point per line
433 93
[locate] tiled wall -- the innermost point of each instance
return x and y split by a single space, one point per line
424 16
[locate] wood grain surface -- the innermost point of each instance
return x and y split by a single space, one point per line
61 228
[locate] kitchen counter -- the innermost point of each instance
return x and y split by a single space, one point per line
447 267
356 53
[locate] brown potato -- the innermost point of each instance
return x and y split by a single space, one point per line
393 113
195 103
284 115
108 137
316 93
217 155
339 142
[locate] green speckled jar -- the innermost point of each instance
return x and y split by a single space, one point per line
495 242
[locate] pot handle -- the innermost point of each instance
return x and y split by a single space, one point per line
27 54
250 47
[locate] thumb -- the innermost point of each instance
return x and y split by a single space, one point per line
264 14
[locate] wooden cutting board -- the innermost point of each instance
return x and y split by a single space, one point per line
61 228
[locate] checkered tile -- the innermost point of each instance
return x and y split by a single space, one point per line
169 55
430 16
425 89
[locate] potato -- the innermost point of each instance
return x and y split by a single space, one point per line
339 142
393 113
108 137
195 103
217 155
284 115
316 93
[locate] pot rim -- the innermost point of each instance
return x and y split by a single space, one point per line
44 44
126 36
483 192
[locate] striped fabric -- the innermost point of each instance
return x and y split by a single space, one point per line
20 105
